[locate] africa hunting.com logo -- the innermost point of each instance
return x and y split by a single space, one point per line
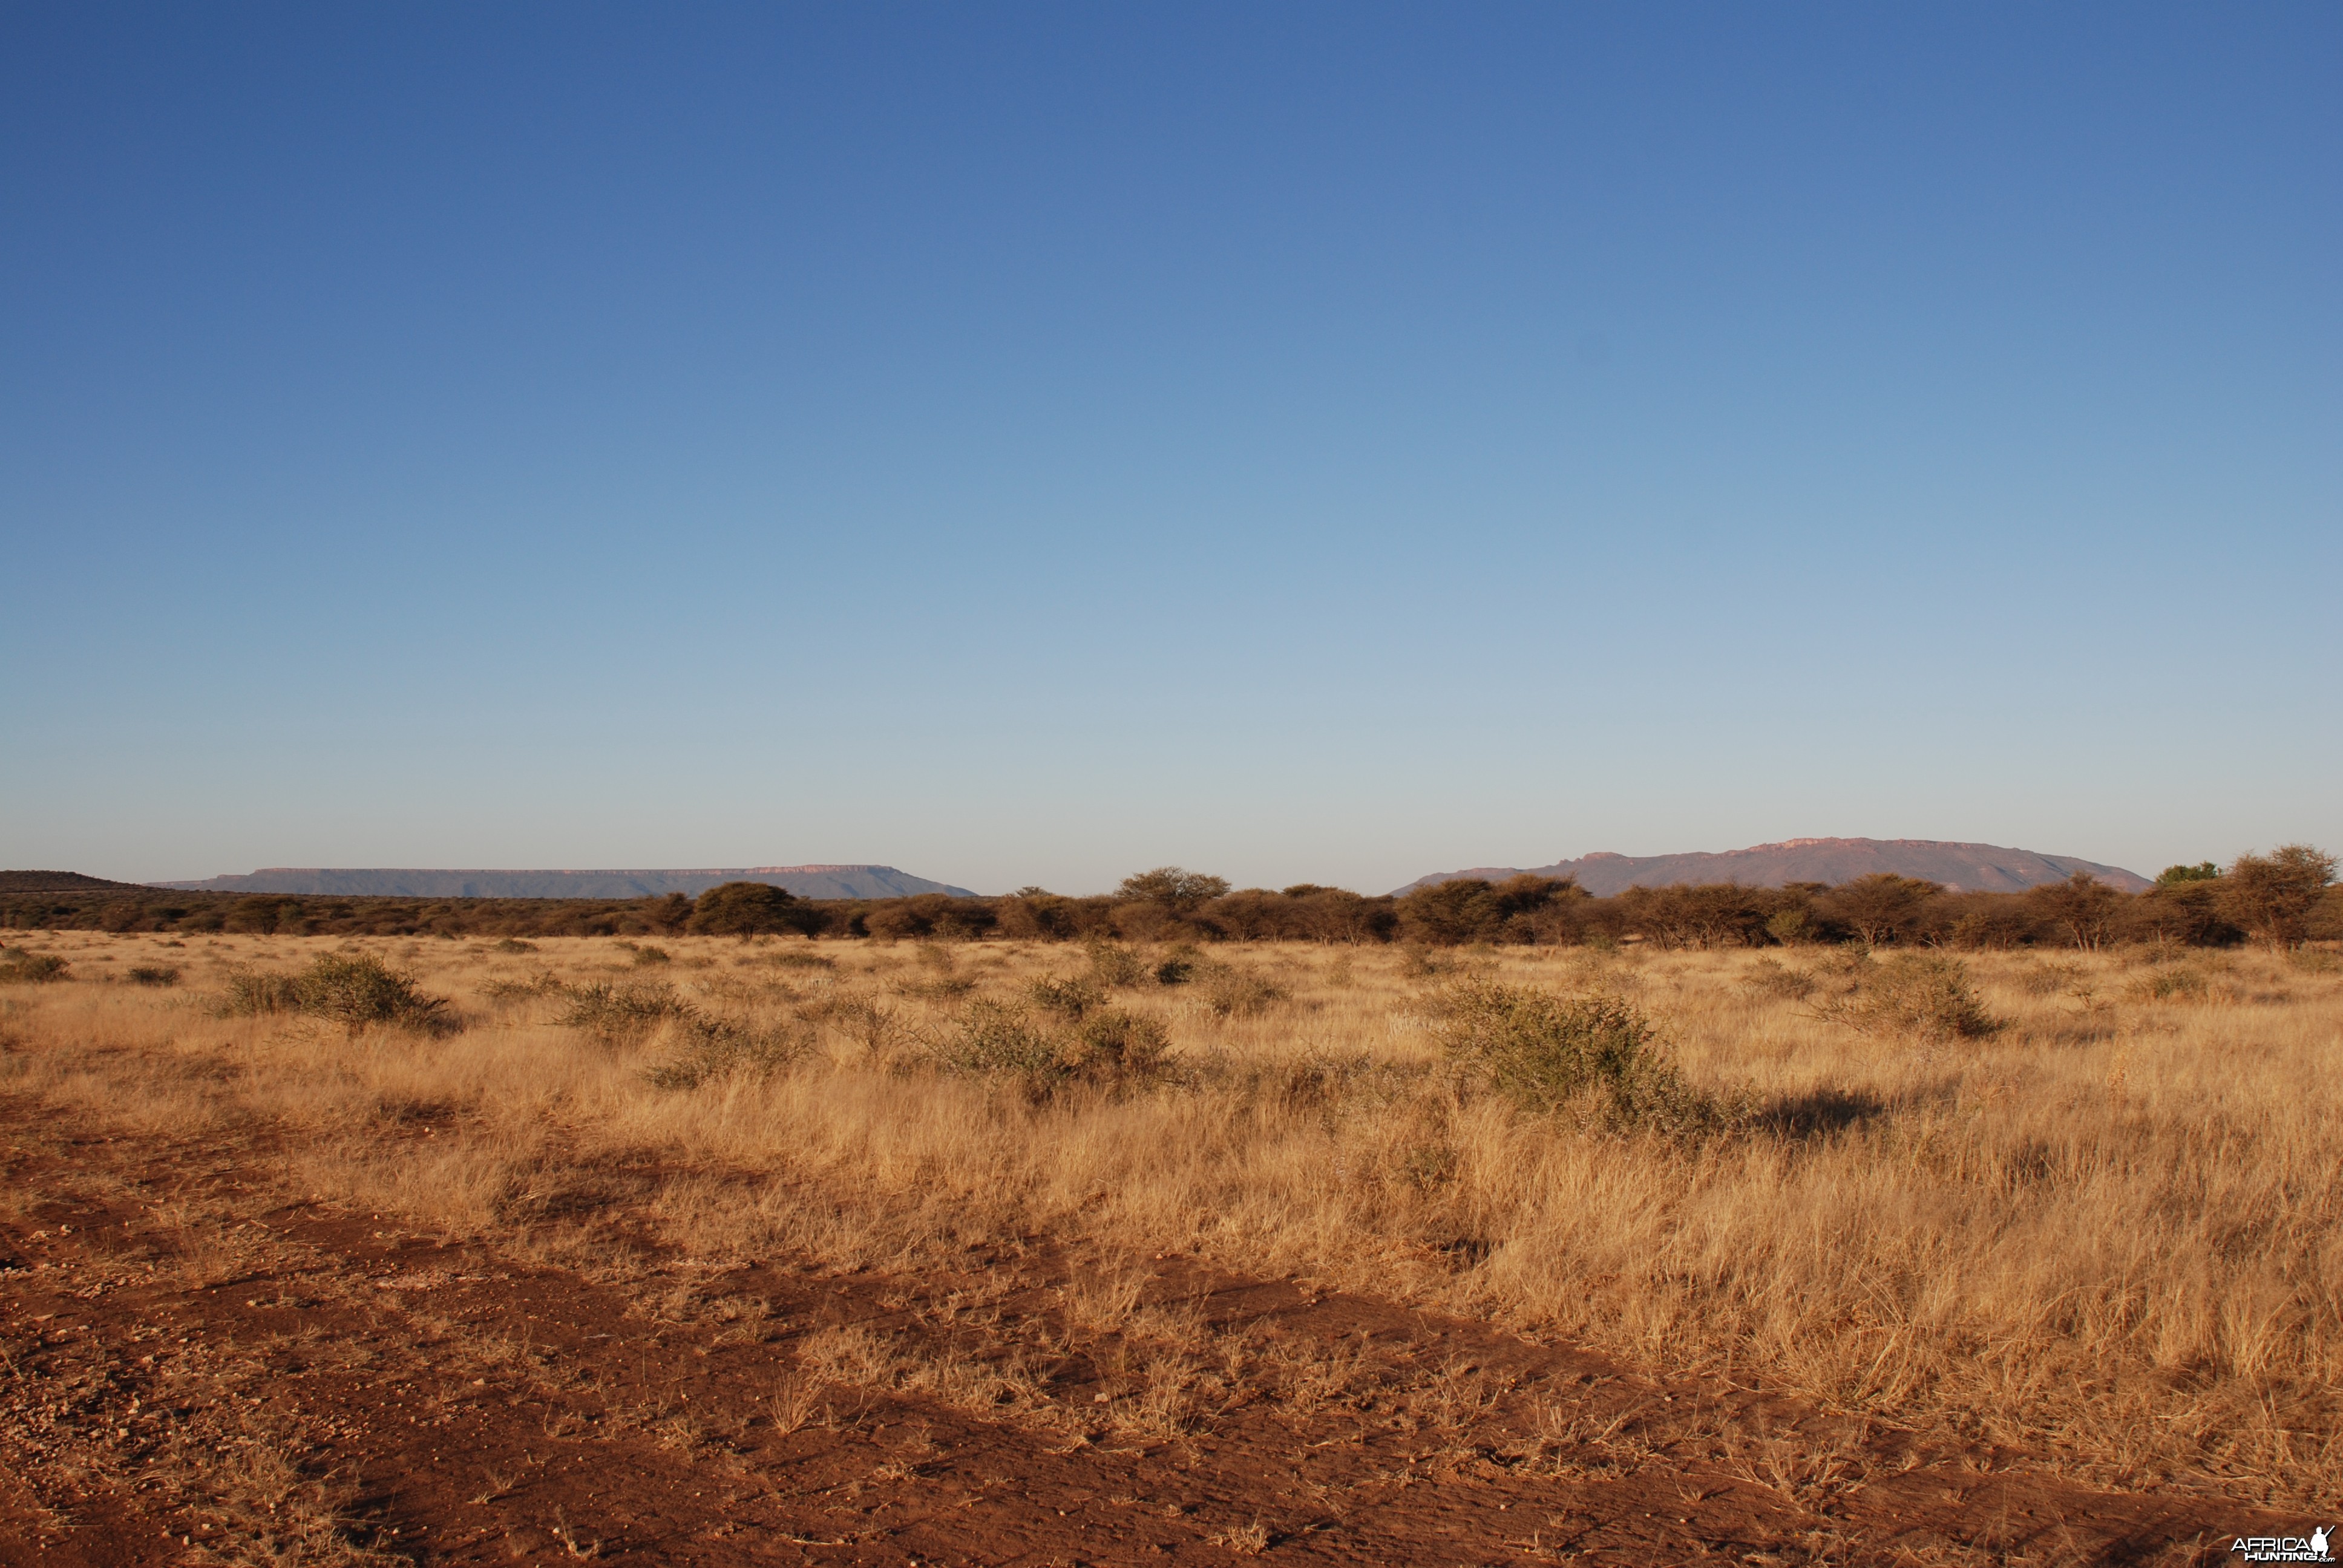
2310 1548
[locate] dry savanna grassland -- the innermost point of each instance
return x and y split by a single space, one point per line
716 1250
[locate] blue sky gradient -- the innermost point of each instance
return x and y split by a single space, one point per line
1025 445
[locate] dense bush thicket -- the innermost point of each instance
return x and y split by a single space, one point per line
2284 898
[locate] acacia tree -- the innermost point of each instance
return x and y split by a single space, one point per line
747 909
1880 908
1180 891
2272 896
2083 904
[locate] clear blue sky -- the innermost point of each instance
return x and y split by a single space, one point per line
1026 445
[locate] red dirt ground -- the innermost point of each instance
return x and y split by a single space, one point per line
203 1366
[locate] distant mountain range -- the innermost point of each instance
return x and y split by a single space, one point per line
806 881
1964 867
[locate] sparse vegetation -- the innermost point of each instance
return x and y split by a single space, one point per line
1996 1191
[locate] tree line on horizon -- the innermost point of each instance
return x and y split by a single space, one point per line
2284 898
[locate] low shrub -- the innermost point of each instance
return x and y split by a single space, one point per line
1546 1052
1232 992
1323 1079
620 1012
1108 1047
943 987
2180 983
1179 965
707 1048
1918 994
515 945
1069 998
154 975
944 983
1113 1046
253 991
1113 965
2049 979
647 957
520 989
1768 977
716 1048
18 966
360 988
355 989
762 956
997 1037
870 1022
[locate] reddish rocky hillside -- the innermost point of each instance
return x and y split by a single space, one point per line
1964 867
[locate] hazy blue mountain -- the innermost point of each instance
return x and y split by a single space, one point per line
806 881
1964 868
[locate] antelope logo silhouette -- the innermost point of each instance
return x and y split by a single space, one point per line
2310 1548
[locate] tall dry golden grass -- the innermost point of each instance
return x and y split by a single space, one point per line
2109 1230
